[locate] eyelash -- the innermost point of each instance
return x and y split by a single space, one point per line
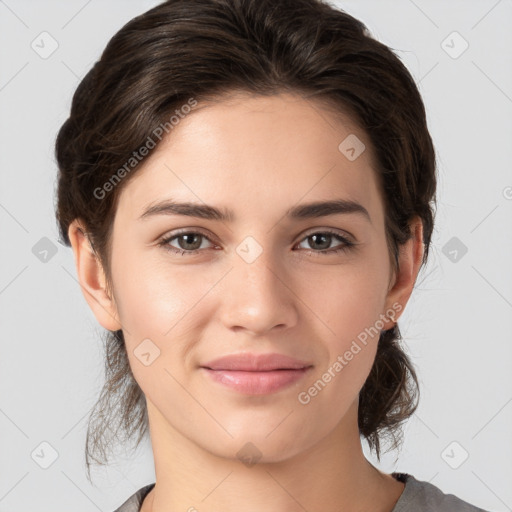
347 244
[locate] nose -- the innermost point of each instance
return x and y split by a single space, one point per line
258 296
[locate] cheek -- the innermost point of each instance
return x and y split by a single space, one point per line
349 308
166 304
151 299
348 303
154 305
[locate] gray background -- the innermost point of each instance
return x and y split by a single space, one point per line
456 326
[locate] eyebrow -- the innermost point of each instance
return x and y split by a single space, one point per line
303 211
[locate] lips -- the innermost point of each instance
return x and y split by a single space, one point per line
253 374
256 363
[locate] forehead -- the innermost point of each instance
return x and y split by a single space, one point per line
257 156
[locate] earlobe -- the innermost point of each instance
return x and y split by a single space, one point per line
410 259
92 279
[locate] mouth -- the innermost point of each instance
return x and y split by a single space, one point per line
256 374
257 382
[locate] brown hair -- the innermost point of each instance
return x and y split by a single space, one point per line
205 49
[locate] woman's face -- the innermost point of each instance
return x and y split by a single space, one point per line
260 281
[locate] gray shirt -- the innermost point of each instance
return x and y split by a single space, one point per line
417 496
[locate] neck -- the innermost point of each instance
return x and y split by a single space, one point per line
332 475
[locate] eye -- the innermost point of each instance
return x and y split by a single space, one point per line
191 242
324 239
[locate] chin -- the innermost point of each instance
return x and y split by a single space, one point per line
265 445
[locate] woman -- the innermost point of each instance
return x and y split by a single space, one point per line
248 190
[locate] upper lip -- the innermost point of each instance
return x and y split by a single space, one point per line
256 362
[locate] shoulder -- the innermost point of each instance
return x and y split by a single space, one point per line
134 502
417 496
423 496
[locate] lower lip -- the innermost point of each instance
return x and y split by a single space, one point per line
257 383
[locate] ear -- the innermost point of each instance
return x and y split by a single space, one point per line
402 282
92 278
